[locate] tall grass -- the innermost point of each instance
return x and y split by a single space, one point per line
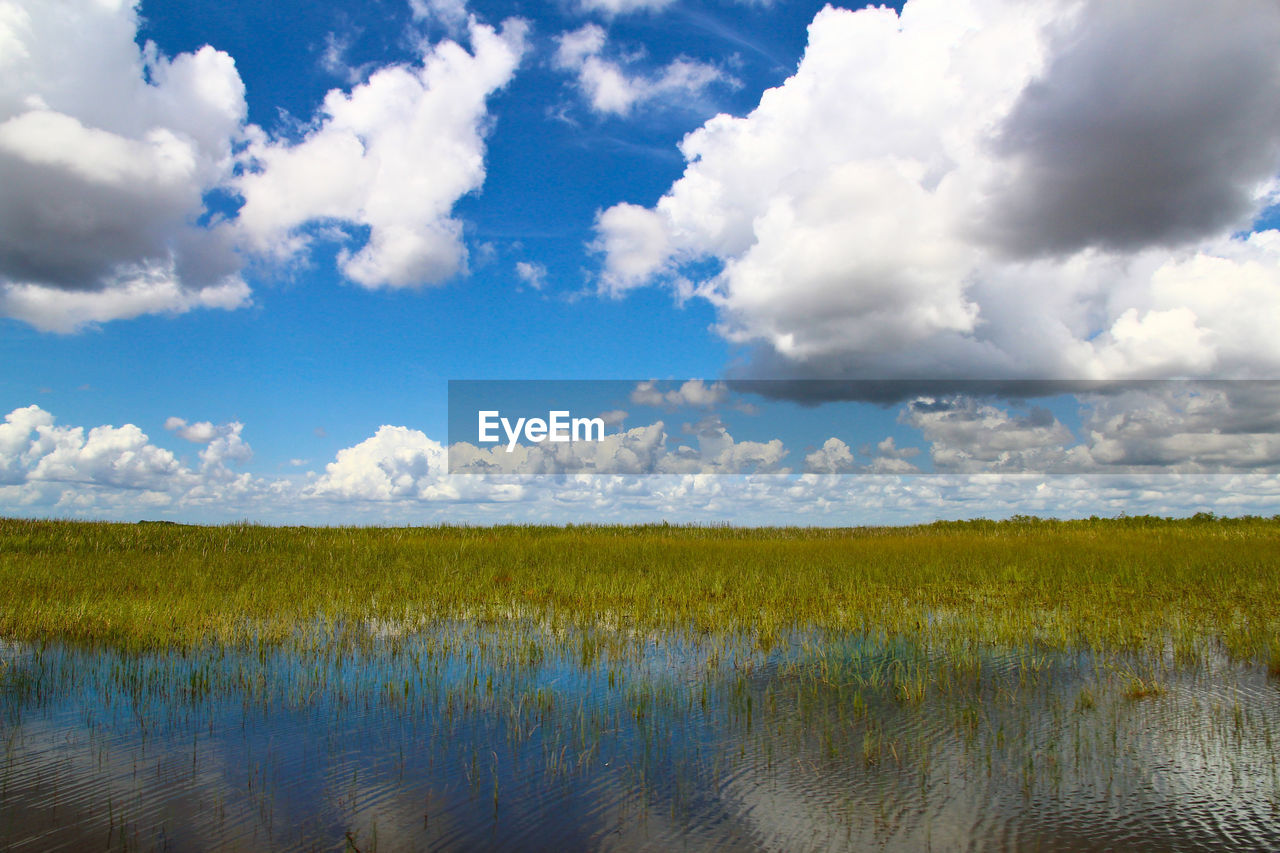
1140 584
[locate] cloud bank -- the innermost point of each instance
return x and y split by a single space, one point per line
106 150
989 188
400 474
110 154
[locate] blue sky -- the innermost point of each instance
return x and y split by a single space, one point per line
293 223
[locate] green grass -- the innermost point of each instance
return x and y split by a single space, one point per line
1126 584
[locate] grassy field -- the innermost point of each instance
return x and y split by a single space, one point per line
1140 584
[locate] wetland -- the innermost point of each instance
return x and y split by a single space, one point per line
1025 684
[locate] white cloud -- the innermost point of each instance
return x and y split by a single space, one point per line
451 13
887 448
1189 427
967 436
394 155
398 474
610 89
334 58
988 188
227 446
1169 427
717 452
396 462
124 295
15 442
223 444
639 450
888 458
106 150
693 392
636 244
834 457
109 470
120 457
575 47
622 7
534 275
201 432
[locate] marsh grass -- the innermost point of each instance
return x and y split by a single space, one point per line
843 628
1125 585
517 710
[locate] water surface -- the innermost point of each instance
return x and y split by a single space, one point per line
529 736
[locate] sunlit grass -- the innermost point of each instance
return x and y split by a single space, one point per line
1126 584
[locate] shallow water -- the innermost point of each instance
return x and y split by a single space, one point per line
534 737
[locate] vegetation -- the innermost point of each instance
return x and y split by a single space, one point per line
497 668
1128 584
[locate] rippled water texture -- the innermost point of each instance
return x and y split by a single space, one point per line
531 737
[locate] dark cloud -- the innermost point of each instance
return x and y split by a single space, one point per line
1152 124
59 229
887 392
1204 426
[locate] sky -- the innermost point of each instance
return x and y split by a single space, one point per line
245 247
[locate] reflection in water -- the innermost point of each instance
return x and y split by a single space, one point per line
535 737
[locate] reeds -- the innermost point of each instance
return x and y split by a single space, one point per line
1123 585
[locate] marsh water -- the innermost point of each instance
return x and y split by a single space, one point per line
532 736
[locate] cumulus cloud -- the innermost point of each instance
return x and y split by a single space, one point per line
106 150
16 448
393 155
201 432
636 244
534 275
717 452
1189 427
988 188
1170 427
35 450
396 462
1152 123
399 474
1177 441
888 458
693 393
834 457
223 444
107 455
111 470
967 435
608 86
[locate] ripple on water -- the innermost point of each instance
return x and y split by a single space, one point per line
680 741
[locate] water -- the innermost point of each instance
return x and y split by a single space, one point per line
534 737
